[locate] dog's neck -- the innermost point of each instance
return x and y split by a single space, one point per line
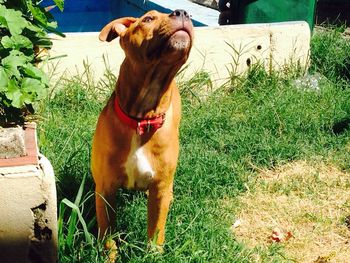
145 90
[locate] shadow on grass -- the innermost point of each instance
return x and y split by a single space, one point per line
341 126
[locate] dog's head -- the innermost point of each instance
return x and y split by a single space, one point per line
153 37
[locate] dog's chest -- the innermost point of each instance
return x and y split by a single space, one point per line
138 167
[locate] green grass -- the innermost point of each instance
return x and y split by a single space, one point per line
330 54
261 122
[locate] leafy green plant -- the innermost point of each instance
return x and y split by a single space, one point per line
24 27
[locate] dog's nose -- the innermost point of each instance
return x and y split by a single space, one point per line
179 13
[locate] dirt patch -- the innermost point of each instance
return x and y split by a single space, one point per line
310 202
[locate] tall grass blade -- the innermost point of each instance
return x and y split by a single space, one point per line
76 209
75 213
60 223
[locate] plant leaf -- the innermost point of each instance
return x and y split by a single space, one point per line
38 14
11 64
14 94
12 20
33 86
18 53
34 72
3 80
7 42
60 4
30 85
26 98
22 42
43 42
16 42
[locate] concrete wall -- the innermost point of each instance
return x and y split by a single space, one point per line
220 51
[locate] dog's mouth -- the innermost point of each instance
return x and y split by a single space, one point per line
171 41
180 39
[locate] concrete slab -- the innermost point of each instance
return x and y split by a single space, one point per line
28 213
220 51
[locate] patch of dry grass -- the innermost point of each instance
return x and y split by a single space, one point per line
311 201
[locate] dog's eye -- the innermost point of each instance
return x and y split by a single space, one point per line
148 19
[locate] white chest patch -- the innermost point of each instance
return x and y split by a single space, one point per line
137 166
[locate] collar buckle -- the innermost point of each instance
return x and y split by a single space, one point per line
141 125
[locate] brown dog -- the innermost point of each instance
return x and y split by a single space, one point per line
136 143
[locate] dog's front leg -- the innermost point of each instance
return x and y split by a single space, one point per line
105 213
158 206
105 210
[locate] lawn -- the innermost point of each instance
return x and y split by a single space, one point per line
267 150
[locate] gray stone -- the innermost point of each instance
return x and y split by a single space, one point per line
12 142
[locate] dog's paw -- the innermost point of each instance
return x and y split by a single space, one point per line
112 251
153 248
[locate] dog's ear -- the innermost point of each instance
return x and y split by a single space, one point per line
116 28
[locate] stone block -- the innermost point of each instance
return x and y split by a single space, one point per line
12 142
28 214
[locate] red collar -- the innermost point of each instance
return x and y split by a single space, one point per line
141 125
